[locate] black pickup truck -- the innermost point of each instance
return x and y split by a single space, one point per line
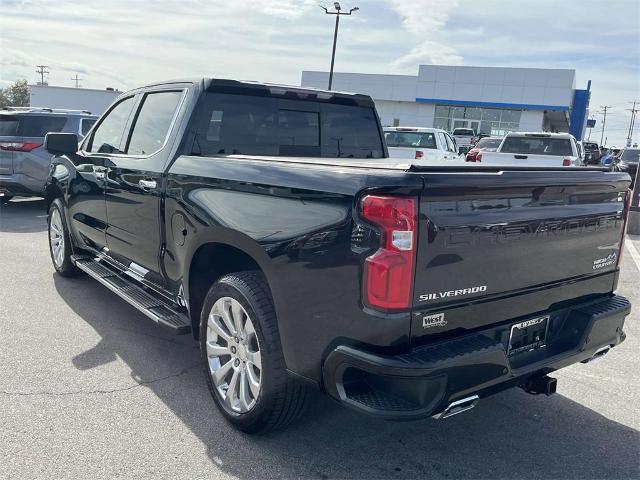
268 222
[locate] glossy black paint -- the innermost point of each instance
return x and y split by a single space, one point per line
296 219
426 380
297 222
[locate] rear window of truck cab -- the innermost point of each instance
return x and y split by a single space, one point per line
537 146
410 139
230 124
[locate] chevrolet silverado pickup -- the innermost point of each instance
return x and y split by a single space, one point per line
269 222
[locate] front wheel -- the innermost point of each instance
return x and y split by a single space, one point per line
59 241
244 363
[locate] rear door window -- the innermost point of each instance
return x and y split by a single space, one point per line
231 124
39 125
107 137
152 124
85 125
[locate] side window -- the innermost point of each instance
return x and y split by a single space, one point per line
108 136
85 125
451 144
443 140
152 124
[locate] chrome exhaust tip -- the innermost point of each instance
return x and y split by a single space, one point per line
458 406
601 352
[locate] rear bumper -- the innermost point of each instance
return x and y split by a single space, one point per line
426 380
20 184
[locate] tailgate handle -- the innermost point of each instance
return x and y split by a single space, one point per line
521 157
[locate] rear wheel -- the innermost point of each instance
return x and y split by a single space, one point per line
241 349
59 241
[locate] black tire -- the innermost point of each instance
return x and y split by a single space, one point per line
281 399
65 268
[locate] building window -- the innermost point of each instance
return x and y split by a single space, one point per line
396 122
491 121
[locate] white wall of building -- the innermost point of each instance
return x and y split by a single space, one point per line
95 101
412 98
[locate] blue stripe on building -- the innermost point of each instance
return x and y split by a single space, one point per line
468 103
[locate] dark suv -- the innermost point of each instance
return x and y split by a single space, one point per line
24 163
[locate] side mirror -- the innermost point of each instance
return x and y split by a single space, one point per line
61 143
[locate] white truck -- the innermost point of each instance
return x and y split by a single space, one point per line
465 138
424 146
534 149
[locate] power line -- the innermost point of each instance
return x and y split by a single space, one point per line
604 120
77 80
42 70
632 121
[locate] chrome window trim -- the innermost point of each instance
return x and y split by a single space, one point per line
166 137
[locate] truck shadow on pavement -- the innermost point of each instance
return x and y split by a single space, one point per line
510 435
23 216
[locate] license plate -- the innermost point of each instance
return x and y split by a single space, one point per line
528 335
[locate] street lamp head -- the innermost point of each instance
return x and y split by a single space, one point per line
337 5
354 9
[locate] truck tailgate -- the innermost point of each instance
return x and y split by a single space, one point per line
494 235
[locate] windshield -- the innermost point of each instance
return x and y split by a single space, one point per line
631 156
410 139
489 143
229 124
537 146
464 131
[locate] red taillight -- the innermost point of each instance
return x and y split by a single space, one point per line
388 273
625 216
419 154
19 146
479 157
566 162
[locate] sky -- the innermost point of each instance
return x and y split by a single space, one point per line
128 43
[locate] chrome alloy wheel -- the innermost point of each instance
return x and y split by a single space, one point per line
56 238
233 353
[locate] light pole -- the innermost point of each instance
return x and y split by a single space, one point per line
337 13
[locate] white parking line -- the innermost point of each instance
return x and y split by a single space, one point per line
635 256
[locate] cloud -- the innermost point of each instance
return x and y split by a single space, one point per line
425 20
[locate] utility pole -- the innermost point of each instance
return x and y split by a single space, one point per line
632 122
604 121
42 70
77 80
337 13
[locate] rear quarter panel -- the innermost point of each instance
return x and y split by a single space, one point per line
297 221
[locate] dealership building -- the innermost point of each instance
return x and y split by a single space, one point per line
491 100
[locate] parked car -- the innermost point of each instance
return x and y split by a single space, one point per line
485 144
24 163
465 138
302 257
535 149
628 162
427 146
592 153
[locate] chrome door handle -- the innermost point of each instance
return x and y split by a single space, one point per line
148 184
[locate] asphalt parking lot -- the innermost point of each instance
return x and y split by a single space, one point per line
89 387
